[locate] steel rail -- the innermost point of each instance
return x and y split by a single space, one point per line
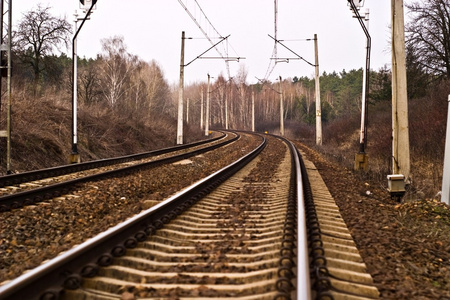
303 271
67 270
72 168
303 286
30 197
302 281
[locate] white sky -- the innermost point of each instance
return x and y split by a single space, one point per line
152 30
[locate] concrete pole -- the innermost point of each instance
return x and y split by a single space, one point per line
400 129
226 111
207 109
226 105
318 106
253 111
281 111
180 95
446 175
201 109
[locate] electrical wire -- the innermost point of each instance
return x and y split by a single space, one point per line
225 49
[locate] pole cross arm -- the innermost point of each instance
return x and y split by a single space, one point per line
299 57
213 46
82 23
358 16
228 58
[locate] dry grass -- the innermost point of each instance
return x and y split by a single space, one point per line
42 132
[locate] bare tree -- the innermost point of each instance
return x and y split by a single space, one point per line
90 87
157 87
117 68
148 89
37 35
428 35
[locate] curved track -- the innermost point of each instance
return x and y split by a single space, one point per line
63 184
246 224
243 232
14 180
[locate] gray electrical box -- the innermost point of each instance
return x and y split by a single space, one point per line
396 185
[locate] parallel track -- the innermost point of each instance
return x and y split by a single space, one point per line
40 193
16 179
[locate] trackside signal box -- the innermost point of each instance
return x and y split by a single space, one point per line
396 185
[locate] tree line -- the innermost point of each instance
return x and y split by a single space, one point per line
123 82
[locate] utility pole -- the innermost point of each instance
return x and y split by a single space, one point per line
5 48
253 111
207 109
361 158
88 5
226 111
181 86
180 95
281 110
75 156
363 134
400 127
230 96
318 105
201 109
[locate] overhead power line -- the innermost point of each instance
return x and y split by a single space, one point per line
225 56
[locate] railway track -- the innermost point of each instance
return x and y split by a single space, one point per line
14 180
236 234
226 245
28 188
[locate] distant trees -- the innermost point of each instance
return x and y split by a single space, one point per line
37 36
231 98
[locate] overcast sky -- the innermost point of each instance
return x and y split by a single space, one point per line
152 30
